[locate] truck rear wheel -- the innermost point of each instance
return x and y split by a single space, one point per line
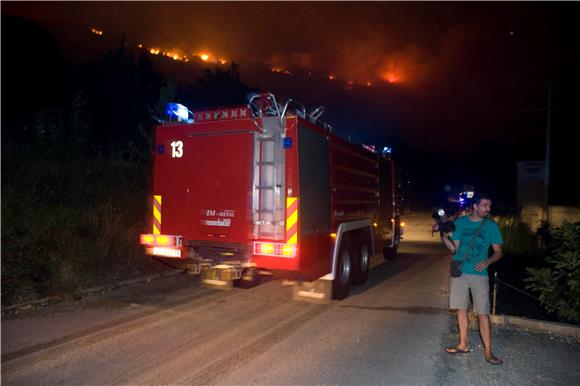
362 261
343 277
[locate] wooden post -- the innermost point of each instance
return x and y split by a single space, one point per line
494 292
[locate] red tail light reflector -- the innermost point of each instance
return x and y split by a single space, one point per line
274 249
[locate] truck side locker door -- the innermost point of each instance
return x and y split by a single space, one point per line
386 200
314 175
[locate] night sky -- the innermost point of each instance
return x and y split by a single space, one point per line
451 84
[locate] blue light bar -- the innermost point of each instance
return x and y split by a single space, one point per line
387 152
179 112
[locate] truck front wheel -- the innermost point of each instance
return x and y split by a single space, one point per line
343 277
389 253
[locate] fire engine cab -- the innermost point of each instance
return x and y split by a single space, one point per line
268 188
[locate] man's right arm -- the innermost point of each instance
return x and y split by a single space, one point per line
453 246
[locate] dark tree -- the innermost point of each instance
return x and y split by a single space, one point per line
220 87
34 76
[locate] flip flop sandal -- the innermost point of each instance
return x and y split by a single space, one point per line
493 360
455 350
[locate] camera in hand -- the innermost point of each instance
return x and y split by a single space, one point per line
445 224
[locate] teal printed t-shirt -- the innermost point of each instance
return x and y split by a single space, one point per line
464 231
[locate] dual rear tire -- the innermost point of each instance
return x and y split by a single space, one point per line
352 266
362 259
343 277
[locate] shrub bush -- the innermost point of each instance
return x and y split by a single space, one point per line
68 224
516 234
558 285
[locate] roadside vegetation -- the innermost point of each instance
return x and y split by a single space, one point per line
536 281
516 234
77 157
70 224
558 284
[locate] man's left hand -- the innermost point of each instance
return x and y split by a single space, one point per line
482 265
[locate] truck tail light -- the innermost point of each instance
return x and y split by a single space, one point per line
164 251
266 248
289 250
147 239
274 249
160 240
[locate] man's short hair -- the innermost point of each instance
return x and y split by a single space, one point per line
478 197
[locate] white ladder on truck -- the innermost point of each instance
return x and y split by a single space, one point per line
269 181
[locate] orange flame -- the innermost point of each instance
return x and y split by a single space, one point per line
391 77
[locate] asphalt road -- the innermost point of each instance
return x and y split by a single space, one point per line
172 331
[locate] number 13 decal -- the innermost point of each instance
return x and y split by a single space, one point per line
176 149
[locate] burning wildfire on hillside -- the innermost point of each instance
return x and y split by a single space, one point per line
175 54
366 67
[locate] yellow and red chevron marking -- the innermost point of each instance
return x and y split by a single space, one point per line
156 215
292 220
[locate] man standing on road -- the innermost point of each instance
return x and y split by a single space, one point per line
472 237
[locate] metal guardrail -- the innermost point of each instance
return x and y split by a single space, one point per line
495 290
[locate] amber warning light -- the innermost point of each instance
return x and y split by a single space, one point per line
274 249
161 245
160 240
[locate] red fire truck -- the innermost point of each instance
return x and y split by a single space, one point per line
266 188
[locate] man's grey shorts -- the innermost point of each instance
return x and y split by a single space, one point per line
460 287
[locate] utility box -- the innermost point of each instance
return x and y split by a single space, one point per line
530 192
